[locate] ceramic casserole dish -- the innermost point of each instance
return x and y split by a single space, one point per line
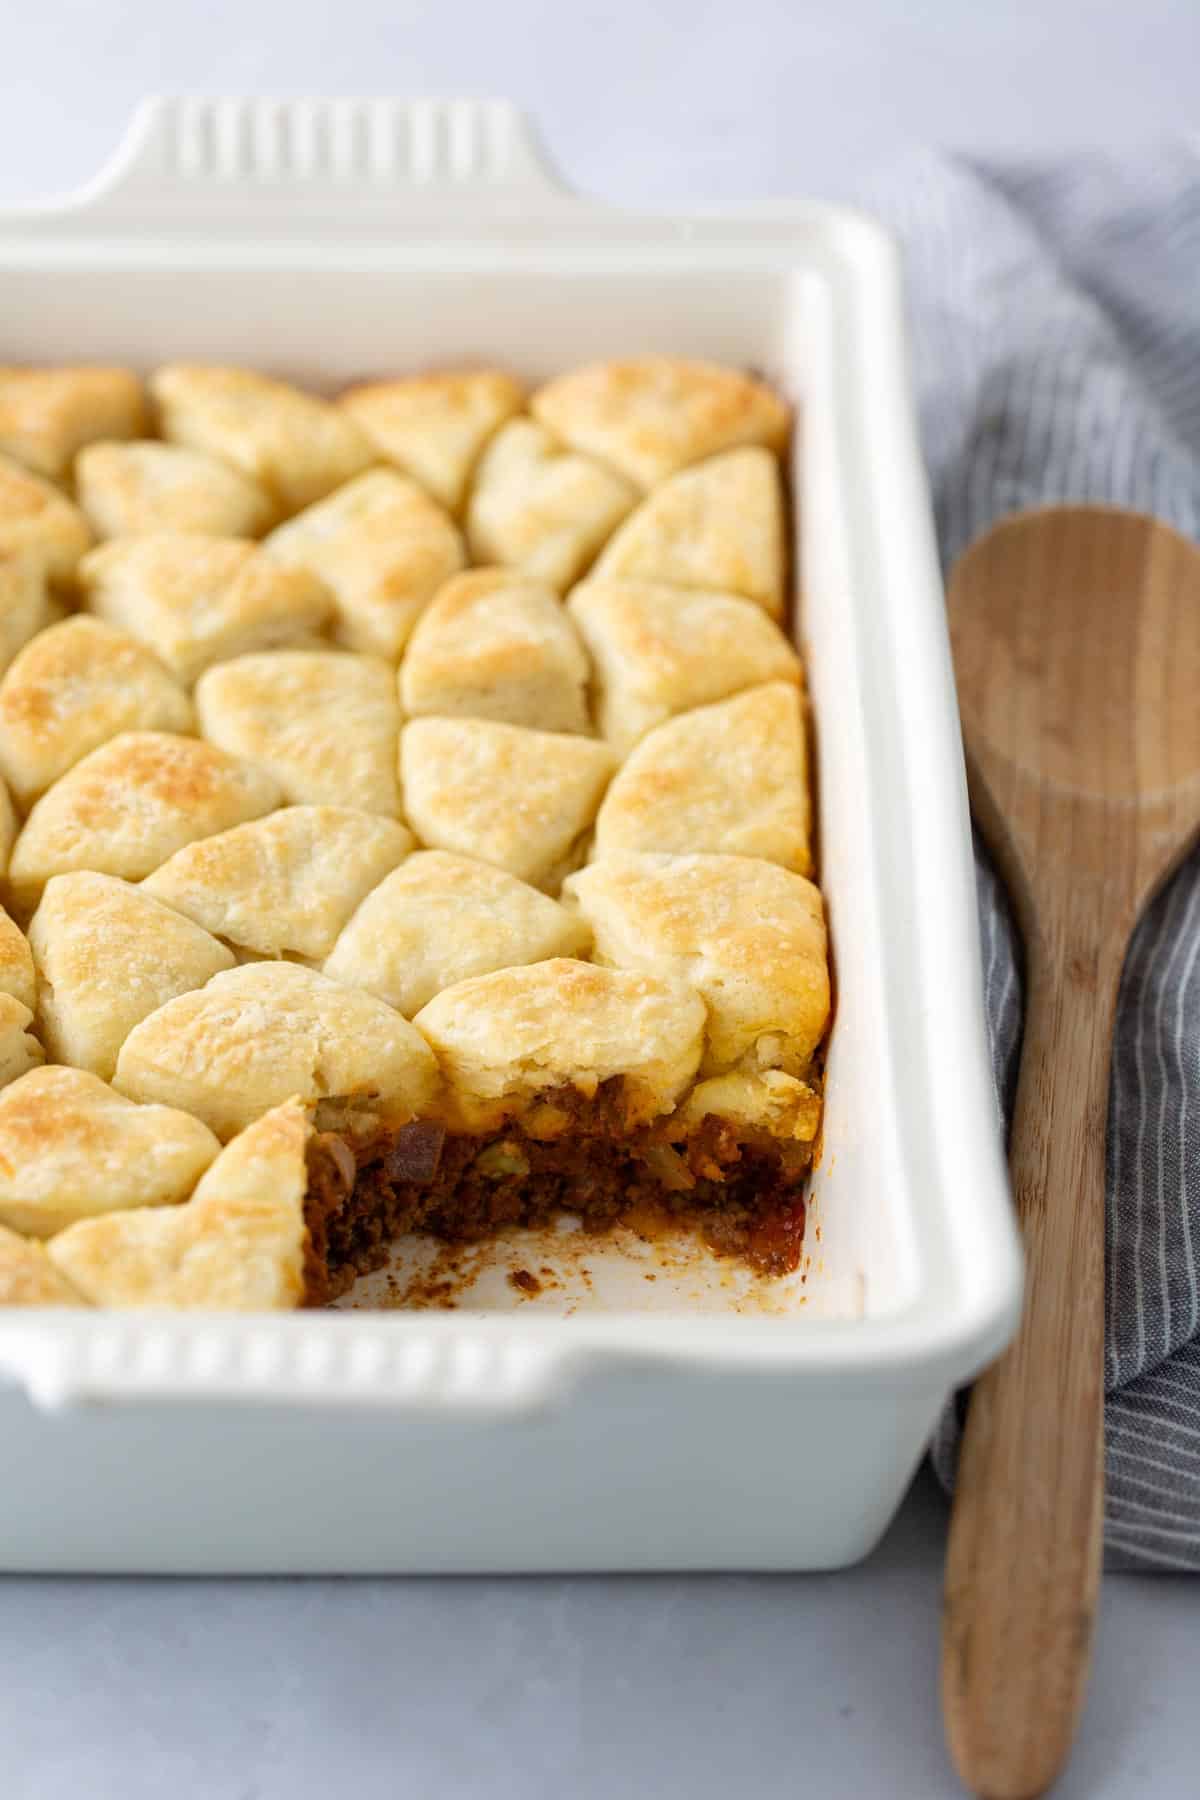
703 1419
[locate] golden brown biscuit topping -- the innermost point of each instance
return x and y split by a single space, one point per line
442 895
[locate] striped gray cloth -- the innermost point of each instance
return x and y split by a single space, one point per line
1056 323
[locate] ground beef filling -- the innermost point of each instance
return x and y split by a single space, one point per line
746 1196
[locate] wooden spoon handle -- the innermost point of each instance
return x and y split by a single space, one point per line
1023 1564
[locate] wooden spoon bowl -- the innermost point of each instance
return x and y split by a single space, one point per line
1076 635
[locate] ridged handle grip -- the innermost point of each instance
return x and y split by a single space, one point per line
275 165
73 1359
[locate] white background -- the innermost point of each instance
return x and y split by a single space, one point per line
586 1688
651 100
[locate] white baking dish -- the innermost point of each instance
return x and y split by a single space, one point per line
696 1421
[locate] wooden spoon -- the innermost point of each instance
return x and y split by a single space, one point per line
1076 634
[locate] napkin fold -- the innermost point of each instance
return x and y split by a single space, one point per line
1055 312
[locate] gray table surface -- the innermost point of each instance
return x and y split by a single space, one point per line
591 1687
679 1688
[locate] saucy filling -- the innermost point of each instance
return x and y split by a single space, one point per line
746 1196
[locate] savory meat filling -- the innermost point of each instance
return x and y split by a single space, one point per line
745 1196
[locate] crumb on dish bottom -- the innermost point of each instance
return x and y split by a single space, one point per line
746 1197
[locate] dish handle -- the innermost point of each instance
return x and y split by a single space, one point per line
255 166
65 1359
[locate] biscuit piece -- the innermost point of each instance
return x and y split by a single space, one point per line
46 415
506 1038
40 524
70 1148
541 508
383 547
438 919
434 427
72 688
519 799
295 446
286 884
660 650
650 416
730 777
747 935
127 490
107 956
237 1245
198 600
765 1100
25 607
17 975
132 803
493 645
719 525
260 1033
28 1277
325 724
20 1051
